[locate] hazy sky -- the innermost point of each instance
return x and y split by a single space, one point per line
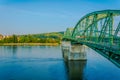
39 16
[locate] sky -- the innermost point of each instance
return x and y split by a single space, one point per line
41 16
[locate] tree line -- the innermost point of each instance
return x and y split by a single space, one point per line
35 38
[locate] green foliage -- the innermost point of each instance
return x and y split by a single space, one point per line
14 38
10 39
54 37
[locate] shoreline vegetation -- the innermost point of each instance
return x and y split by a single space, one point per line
29 44
43 39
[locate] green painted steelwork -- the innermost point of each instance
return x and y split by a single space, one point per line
68 33
99 31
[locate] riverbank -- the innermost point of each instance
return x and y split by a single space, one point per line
29 44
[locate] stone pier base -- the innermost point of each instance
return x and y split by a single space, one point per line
73 51
77 52
65 49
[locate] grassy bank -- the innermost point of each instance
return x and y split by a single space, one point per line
29 44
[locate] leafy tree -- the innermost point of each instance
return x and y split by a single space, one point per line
15 40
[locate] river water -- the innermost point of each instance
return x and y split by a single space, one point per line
47 63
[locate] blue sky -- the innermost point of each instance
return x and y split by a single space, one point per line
40 16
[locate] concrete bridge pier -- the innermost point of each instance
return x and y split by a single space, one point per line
65 49
73 51
77 52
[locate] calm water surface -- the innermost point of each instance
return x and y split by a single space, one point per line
46 63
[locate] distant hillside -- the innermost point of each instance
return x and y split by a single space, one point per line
54 35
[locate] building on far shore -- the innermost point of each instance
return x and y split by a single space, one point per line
1 36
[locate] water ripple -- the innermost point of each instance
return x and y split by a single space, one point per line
12 60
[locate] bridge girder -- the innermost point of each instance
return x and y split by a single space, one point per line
96 27
68 33
99 30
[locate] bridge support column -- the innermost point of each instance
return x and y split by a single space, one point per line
73 51
77 52
66 49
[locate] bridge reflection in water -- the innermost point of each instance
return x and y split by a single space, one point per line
75 69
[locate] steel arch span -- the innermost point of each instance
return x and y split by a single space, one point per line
99 30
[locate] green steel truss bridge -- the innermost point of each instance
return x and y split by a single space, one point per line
100 31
